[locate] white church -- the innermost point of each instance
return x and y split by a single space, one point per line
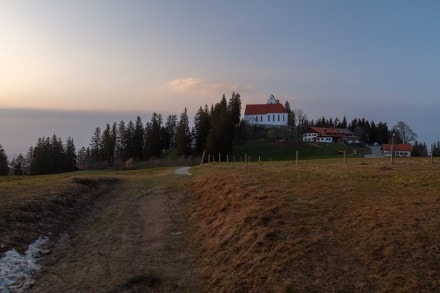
270 114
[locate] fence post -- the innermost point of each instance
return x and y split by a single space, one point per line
345 157
297 159
203 158
227 158
219 158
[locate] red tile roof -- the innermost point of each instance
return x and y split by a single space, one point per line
398 147
260 109
333 132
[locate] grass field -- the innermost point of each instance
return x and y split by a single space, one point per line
274 226
322 226
281 151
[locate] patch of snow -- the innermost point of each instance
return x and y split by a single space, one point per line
16 269
182 171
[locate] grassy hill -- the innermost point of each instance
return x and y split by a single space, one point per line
322 226
282 151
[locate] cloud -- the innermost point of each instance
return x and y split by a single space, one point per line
199 87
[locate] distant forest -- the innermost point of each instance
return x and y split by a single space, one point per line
215 130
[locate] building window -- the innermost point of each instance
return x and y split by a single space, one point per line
278 117
273 116
256 118
268 118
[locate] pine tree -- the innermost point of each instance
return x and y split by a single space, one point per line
18 165
153 146
121 146
71 157
4 164
129 140
201 129
183 135
95 145
235 108
168 132
138 139
221 133
436 149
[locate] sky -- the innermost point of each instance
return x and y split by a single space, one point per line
67 67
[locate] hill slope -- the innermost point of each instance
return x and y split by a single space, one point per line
320 227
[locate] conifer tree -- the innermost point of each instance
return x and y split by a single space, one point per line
221 133
235 109
95 145
18 165
183 135
121 145
129 140
4 164
138 139
201 129
168 132
153 147
71 157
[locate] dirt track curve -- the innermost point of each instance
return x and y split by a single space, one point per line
131 243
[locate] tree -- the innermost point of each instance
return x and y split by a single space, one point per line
95 144
121 144
70 157
169 132
18 165
201 129
153 147
138 139
419 150
221 133
404 132
183 135
49 156
4 164
235 108
300 123
436 149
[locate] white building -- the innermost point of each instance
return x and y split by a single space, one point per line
270 114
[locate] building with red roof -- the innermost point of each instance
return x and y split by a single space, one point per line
399 150
324 134
270 114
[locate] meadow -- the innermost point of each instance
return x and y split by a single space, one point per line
320 226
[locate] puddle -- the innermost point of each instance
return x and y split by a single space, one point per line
16 269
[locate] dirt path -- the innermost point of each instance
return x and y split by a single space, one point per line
135 241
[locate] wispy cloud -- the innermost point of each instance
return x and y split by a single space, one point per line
197 86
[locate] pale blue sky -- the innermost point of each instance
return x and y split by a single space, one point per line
365 58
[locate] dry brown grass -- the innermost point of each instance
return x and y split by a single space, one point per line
36 206
322 226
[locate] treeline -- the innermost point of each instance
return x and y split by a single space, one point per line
48 156
213 131
368 132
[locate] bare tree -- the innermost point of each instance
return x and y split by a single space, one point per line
404 132
299 123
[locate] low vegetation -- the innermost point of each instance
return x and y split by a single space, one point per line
271 226
322 226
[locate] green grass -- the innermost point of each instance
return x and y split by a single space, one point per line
282 151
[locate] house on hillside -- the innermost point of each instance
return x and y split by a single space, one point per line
323 134
270 114
399 150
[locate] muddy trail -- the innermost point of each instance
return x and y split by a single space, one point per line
129 244
134 239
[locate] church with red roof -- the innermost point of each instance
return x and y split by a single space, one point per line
270 114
